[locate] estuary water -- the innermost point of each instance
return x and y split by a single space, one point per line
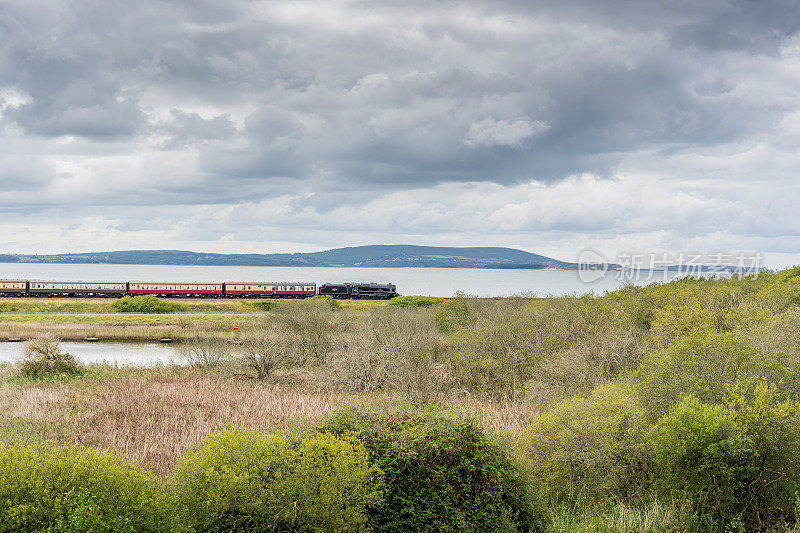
442 282
120 353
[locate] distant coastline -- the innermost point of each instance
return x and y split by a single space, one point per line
376 256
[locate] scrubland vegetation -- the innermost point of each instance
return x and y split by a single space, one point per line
671 407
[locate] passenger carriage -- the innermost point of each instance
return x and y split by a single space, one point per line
77 288
13 287
160 288
270 289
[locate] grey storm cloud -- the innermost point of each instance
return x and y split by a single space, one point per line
326 103
399 98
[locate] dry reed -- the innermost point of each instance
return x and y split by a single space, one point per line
153 416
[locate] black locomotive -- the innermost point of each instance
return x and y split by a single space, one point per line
359 291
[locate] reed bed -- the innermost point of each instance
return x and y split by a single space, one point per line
153 416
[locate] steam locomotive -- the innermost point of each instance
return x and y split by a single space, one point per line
228 289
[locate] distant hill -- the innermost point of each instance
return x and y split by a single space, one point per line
357 256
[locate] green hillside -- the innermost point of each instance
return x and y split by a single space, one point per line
358 256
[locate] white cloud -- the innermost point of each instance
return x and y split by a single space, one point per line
512 132
11 97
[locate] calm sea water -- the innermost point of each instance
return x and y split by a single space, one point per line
441 282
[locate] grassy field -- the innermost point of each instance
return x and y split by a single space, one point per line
106 305
78 318
124 327
193 305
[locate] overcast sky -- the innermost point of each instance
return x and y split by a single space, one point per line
227 126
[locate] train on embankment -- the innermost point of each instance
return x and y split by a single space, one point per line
228 289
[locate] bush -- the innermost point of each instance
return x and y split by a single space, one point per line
779 333
590 362
42 357
332 302
147 304
773 425
265 349
674 309
736 462
313 322
591 447
415 301
264 305
442 473
207 352
681 318
247 481
393 348
707 365
505 342
452 314
74 489
704 452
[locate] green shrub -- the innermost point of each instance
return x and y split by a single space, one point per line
590 362
707 365
780 332
442 473
75 489
736 462
704 452
674 309
246 481
332 302
679 319
591 447
452 314
415 301
147 304
772 424
505 342
264 305
42 357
